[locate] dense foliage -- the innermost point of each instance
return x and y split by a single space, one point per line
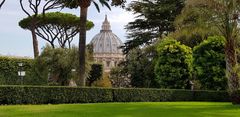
118 77
53 67
9 70
154 18
76 3
95 73
223 15
138 67
209 63
56 95
192 27
174 64
56 27
59 62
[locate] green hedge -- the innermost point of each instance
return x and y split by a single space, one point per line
9 69
53 95
156 95
56 95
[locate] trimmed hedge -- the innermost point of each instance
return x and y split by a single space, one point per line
53 95
57 95
158 95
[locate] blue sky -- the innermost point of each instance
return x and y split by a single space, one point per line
15 41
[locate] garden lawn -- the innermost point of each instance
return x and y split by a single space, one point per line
149 109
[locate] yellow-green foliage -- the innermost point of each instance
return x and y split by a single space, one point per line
104 81
174 64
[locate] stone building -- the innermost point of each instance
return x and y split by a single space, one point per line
106 47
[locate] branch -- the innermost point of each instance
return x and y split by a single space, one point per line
39 33
54 5
24 10
32 6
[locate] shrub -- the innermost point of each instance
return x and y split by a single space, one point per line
53 95
57 95
9 70
104 81
38 74
136 70
209 63
119 78
174 64
157 95
59 62
95 73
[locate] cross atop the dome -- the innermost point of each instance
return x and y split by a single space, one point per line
106 25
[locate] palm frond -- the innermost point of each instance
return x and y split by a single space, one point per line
105 3
1 3
96 5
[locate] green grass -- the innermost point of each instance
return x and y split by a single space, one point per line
161 109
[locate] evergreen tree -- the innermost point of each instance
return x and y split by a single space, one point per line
154 18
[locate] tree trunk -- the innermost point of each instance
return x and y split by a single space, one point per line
231 70
35 42
82 45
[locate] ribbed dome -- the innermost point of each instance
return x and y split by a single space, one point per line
106 41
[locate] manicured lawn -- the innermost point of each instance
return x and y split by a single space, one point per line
161 109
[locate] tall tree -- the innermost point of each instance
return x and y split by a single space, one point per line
192 28
34 7
56 26
137 69
154 18
84 4
223 16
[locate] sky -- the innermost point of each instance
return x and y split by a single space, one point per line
15 41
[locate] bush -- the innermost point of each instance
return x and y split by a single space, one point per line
95 73
36 74
209 63
59 62
53 95
104 81
57 95
119 78
9 70
158 95
174 64
137 69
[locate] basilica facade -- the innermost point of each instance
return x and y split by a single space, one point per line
106 47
